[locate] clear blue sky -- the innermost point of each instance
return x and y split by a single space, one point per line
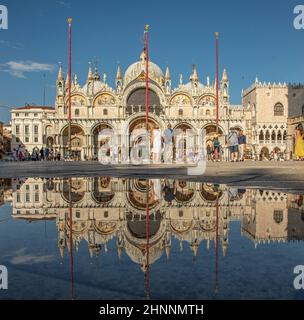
256 38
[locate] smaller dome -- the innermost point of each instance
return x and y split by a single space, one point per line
188 87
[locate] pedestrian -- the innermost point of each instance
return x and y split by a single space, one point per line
41 154
299 143
168 144
46 153
242 144
233 143
216 146
209 151
20 154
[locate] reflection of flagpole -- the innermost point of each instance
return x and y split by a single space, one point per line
71 242
147 273
216 244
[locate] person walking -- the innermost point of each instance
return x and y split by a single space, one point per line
242 144
299 145
168 144
216 146
233 143
42 154
209 151
157 146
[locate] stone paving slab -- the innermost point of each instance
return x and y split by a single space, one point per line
285 175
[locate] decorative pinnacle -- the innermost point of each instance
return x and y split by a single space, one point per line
70 21
216 35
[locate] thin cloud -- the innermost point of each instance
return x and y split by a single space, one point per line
11 45
64 4
21 257
20 68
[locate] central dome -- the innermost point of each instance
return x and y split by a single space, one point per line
139 67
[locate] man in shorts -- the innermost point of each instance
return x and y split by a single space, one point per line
233 143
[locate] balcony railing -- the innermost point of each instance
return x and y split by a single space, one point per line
140 108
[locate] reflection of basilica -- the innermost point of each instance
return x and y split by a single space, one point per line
105 208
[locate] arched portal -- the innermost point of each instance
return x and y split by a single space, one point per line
264 153
136 133
95 132
208 136
77 142
185 145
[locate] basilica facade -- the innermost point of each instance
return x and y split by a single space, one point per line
96 106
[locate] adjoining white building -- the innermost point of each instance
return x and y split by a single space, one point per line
268 108
190 106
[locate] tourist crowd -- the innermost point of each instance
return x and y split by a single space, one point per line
44 154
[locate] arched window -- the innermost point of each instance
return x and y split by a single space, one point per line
267 136
285 135
207 112
180 112
105 112
273 136
76 112
261 136
279 109
279 136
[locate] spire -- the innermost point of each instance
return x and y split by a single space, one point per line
208 81
96 74
225 77
143 56
75 79
118 73
61 248
90 73
181 79
60 75
168 76
168 249
119 251
67 80
194 76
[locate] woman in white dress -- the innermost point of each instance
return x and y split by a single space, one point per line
156 150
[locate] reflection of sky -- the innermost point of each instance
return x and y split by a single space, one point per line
36 270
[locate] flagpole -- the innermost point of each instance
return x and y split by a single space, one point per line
147 74
69 83
217 82
147 273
